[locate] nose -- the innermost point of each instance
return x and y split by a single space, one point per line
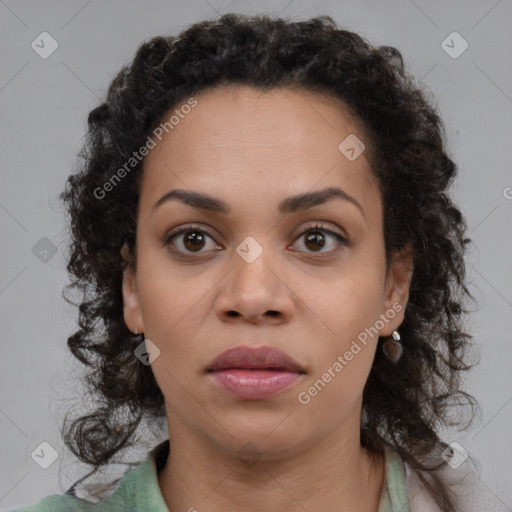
255 291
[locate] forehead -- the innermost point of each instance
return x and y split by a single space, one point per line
238 141
231 115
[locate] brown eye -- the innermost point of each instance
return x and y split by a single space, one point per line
193 240
316 238
190 240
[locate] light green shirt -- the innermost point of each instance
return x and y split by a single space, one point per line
138 490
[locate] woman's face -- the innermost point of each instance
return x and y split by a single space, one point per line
257 272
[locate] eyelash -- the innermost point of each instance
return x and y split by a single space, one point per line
317 227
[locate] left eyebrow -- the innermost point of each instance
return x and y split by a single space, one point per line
289 205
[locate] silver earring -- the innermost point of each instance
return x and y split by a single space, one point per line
392 347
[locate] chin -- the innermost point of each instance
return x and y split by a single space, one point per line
266 435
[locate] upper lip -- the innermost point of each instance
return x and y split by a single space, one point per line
254 358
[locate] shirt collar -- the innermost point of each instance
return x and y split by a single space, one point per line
142 485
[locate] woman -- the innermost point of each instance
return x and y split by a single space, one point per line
270 261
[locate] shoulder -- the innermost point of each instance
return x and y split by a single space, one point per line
70 503
464 482
137 490
57 503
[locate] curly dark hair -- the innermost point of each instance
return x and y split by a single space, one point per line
404 403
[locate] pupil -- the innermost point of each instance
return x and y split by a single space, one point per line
194 237
316 238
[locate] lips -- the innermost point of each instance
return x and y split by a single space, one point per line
248 373
254 358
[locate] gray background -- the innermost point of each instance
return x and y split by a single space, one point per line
44 104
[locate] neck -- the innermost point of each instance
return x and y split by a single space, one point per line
335 473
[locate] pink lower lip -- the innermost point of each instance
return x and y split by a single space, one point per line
246 384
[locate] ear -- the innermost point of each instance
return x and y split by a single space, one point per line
396 293
131 308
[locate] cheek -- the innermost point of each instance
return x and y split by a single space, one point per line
352 306
168 292
175 304
170 304
346 310
344 352
330 397
344 302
